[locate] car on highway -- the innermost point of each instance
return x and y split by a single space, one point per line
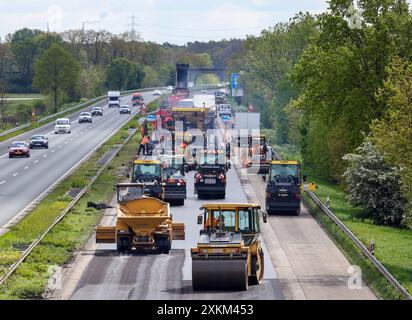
137 99
19 149
85 117
39 141
157 93
203 91
125 110
62 125
97 111
169 88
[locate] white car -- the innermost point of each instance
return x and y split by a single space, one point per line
157 93
125 110
62 125
169 88
85 117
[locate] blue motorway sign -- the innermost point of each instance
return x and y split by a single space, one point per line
151 117
225 118
235 81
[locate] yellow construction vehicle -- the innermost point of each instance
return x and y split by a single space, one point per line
143 223
229 254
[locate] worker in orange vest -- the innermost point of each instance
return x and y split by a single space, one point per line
143 144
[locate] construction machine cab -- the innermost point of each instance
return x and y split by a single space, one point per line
148 173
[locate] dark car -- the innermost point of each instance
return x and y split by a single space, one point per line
39 141
19 149
97 111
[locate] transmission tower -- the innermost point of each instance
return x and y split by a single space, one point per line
133 24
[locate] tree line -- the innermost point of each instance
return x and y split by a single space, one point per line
342 92
80 63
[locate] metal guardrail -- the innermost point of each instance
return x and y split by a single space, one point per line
5 133
78 106
36 242
388 276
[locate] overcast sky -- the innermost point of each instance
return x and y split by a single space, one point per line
174 21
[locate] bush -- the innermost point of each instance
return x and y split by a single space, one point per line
375 186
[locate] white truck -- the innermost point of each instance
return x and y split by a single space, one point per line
204 101
246 124
113 98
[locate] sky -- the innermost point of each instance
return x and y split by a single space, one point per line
173 21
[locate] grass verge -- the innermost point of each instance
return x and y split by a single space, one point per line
30 279
392 245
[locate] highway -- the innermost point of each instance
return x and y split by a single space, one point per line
22 180
100 273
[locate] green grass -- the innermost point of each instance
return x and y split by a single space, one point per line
30 279
393 246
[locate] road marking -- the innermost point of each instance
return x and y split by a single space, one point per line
71 139
59 146
4 155
15 174
44 156
3 182
52 151
66 142
26 167
36 161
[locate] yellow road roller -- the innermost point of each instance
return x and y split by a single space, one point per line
229 254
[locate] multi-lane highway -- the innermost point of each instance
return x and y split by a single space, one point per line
22 180
301 261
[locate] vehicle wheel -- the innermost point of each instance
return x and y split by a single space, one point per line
10 155
223 195
47 146
28 155
164 245
31 147
297 212
122 245
257 268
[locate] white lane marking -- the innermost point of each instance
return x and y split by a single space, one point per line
26 167
4 155
44 156
52 151
15 174
3 182
66 142
59 146
36 161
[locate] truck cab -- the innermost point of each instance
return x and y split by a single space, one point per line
148 173
113 99
283 190
173 179
137 99
210 178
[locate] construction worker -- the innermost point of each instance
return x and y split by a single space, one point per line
143 146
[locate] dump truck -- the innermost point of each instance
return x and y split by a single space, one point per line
284 187
229 254
191 118
173 179
149 173
210 178
142 223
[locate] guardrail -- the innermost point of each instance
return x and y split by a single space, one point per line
388 276
94 100
36 242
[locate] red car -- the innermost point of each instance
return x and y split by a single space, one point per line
19 149
137 99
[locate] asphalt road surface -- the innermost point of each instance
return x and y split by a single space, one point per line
22 180
101 273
